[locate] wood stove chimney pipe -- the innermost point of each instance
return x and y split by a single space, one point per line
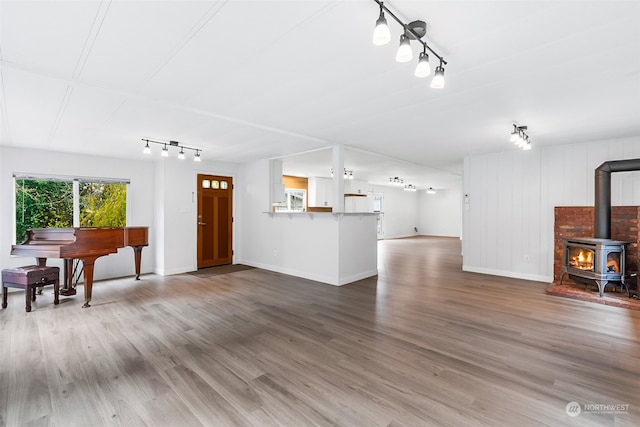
602 209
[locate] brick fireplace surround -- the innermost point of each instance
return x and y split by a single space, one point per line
578 221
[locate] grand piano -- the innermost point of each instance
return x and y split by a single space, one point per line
84 243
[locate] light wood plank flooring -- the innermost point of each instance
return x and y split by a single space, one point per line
422 344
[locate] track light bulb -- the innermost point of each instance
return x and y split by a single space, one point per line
165 151
196 157
514 134
423 69
381 34
147 149
438 78
404 54
181 154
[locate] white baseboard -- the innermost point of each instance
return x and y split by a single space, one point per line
329 280
504 273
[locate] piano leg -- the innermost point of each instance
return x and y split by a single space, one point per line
137 252
67 288
88 280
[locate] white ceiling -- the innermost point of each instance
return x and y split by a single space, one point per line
246 80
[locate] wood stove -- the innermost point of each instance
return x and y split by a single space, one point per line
589 260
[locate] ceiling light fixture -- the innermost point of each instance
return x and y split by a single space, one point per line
348 174
431 190
438 78
165 148
404 54
423 69
520 137
395 180
414 30
410 187
381 35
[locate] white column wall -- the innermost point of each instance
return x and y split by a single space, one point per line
508 227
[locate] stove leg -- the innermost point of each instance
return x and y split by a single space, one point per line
601 284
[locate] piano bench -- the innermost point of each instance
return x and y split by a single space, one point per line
29 278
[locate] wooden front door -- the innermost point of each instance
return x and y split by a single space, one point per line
214 220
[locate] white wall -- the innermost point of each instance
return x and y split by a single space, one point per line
400 212
508 226
162 195
440 214
139 201
176 211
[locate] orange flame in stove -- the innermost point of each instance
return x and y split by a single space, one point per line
583 261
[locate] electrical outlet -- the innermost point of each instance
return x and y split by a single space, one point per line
526 258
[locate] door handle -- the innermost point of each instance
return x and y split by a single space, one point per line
202 223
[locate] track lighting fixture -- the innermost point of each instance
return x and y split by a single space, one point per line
348 174
410 187
396 180
520 137
165 149
431 190
414 30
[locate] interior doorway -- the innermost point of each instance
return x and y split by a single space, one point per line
215 220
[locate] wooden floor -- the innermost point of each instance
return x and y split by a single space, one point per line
422 344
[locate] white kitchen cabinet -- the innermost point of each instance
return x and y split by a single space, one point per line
320 192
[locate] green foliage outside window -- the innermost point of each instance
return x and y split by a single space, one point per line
43 204
103 205
49 204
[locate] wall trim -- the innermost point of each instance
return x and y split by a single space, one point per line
315 277
356 277
504 273
172 271
292 272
